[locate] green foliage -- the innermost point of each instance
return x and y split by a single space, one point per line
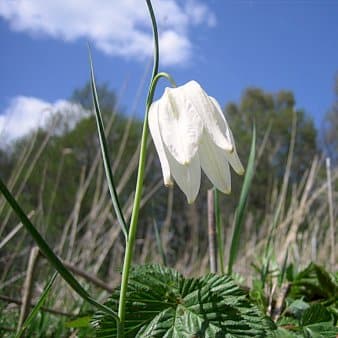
314 283
312 305
162 303
314 321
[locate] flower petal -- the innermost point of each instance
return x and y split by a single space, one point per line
155 133
222 123
232 156
210 113
180 125
187 177
235 161
214 163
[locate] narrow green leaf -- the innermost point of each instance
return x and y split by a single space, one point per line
50 255
37 306
105 152
240 211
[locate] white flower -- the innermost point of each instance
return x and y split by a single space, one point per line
189 131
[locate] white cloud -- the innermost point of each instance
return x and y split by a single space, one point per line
116 27
25 114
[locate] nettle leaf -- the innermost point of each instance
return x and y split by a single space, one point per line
316 313
162 303
314 283
317 321
320 330
283 333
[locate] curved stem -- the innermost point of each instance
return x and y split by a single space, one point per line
139 183
165 75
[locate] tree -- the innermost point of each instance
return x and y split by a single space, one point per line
273 115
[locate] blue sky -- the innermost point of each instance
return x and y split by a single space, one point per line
225 45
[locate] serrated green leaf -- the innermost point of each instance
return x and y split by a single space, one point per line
320 330
316 313
162 303
317 322
314 283
283 333
326 281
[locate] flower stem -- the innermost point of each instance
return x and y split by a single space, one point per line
166 76
139 183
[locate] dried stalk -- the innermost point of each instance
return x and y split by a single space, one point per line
212 232
331 214
28 286
43 308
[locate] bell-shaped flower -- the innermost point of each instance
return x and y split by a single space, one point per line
190 132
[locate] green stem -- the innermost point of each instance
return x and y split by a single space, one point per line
139 183
137 201
166 76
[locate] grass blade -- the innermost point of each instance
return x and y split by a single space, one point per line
105 154
160 244
37 306
240 211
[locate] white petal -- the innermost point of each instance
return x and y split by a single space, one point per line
187 177
155 133
180 125
234 159
222 123
214 163
232 156
210 114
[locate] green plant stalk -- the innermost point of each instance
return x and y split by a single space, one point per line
240 211
138 195
219 230
140 178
